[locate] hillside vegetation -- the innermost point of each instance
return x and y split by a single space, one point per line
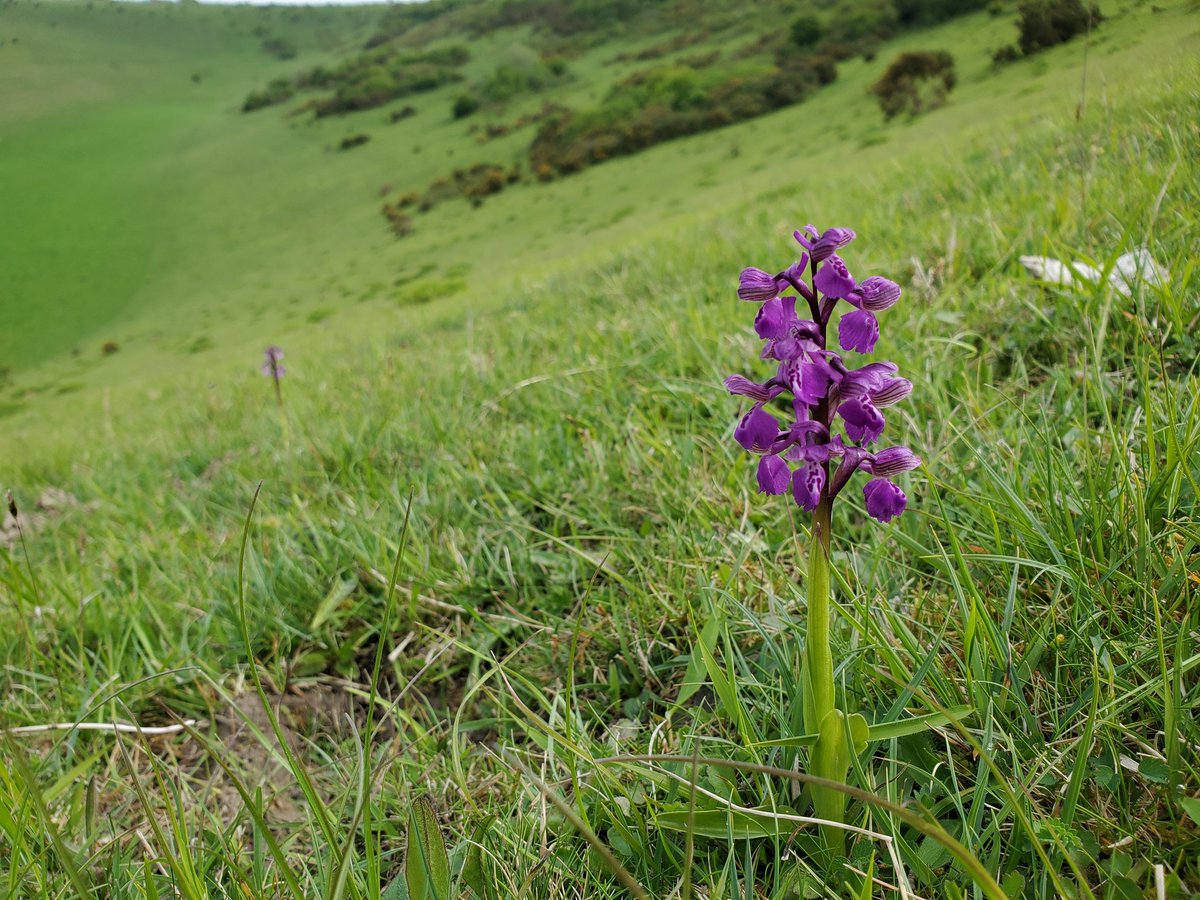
492 544
258 220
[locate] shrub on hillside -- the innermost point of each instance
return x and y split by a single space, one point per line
475 183
378 84
806 31
278 91
354 140
508 80
316 78
929 12
915 81
1046 23
491 131
400 221
484 182
667 102
369 79
1005 55
373 87
464 105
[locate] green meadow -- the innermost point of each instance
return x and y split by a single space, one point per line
493 576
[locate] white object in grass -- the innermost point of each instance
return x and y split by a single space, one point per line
1127 271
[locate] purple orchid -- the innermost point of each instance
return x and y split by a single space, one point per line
273 369
823 389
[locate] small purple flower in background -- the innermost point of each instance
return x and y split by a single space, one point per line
272 366
274 369
825 391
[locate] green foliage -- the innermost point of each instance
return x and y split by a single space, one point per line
668 102
561 17
511 79
864 24
399 18
353 140
371 79
371 86
426 863
464 105
929 12
904 86
1005 55
365 87
1047 23
806 31
278 91
520 73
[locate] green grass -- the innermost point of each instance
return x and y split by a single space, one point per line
105 103
546 457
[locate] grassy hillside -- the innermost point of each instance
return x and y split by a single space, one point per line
202 233
520 407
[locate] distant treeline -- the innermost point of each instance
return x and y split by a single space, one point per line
568 19
564 18
668 102
384 72
367 80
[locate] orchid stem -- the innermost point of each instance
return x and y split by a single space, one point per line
831 751
817 648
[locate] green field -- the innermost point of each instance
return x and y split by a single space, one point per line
519 406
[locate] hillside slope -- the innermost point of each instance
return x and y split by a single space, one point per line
153 215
